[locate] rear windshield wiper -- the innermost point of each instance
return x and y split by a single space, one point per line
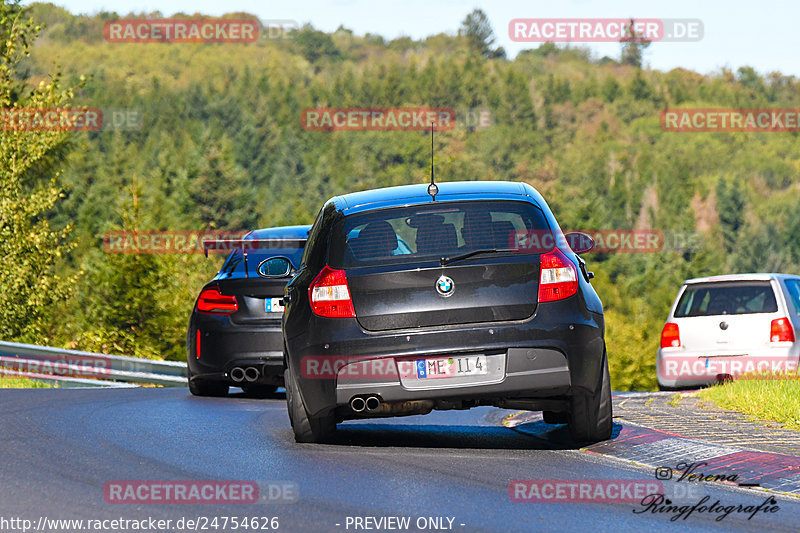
447 260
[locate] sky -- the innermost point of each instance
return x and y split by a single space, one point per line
763 35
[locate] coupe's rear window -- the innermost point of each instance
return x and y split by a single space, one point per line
234 264
737 298
435 230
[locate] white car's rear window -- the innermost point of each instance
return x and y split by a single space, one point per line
734 298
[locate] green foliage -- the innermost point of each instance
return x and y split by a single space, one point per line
633 46
730 205
134 304
479 34
23 383
220 189
29 163
314 44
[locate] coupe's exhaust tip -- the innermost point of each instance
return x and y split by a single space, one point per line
358 404
237 374
372 403
251 373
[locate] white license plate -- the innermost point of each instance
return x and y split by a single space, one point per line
274 305
451 367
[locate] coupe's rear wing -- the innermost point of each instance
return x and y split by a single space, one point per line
228 245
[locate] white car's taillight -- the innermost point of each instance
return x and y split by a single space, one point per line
780 330
670 336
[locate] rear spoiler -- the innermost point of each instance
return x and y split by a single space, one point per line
227 245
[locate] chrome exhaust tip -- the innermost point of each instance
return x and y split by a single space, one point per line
237 374
358 404
372 403
251 374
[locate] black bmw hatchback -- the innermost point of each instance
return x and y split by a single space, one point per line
407 302
234 334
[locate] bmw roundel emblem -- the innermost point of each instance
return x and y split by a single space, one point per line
445 286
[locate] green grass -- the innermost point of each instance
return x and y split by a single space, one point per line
22 383
776 399
676 399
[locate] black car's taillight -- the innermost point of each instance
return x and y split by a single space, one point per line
329 295
558 278
213 302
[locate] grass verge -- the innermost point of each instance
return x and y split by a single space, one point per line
775 398
7 382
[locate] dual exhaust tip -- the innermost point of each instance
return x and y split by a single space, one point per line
249 374
360 404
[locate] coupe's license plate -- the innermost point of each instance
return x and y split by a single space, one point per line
274 305
450 367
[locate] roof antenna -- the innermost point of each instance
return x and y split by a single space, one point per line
433 190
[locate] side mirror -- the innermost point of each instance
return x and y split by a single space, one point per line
274 267
579 242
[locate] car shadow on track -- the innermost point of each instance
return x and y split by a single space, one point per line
530 436
280 394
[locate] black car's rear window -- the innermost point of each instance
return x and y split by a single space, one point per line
723 298
234 264
434 230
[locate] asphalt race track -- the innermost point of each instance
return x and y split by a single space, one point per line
447 471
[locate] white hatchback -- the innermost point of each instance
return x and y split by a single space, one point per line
725 326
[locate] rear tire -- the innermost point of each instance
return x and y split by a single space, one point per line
306 428
200 387
258 390
590 419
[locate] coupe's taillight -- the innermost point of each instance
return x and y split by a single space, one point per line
329 295
213 302
558 278
670 336
780 330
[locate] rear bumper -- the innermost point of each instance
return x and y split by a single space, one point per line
555 353
678 368
270 371
522 372
224 345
